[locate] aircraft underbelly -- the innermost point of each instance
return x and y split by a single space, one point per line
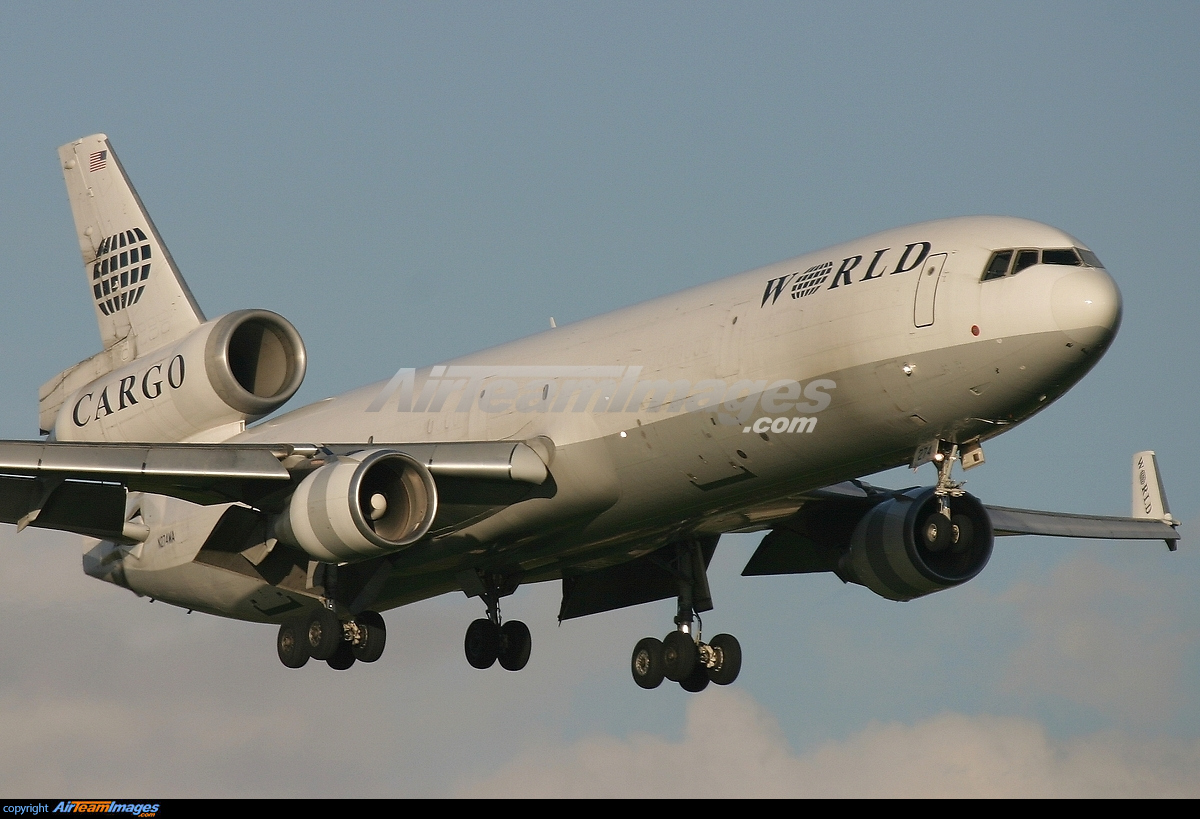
214 591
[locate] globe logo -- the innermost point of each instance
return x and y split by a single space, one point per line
121 269
810 280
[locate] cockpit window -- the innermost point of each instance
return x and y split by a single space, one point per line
1068 257
1089 258
1025 258
1002 260
998 267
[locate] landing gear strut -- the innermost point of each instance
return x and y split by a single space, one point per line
488 639
682 656
942 529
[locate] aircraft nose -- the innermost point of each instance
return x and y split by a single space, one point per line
1087 306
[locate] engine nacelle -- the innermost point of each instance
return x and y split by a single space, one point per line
230 370
891 555
362 505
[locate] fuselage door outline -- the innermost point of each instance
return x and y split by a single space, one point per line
927 284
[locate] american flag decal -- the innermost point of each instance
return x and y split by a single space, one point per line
97 160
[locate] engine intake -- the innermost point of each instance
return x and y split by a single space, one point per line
255 360
362 505
901 549
233 369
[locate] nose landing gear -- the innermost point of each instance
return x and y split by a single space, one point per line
943 529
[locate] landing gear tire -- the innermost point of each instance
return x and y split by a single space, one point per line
937 532
647 663
729 653
482 643
342 657
372 637
290 644
323 634
697 681
682 656
515 645
679 656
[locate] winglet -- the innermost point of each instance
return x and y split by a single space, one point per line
1149 499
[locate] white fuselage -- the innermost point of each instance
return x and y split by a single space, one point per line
822 368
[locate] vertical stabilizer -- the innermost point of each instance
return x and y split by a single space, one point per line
1149 499
141 301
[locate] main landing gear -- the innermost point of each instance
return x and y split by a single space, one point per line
488 639
322 636
682 656
686 660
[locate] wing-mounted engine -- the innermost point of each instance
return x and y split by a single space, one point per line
360 505
905 547
897 544
203 388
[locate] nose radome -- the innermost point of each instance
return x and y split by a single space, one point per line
1086 305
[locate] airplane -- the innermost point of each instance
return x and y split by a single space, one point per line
610 454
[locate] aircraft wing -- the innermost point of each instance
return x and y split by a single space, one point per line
818 536
1010 521
1151 520
81 487
1006 521
204 473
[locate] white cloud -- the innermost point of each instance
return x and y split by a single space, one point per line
733 747
102 690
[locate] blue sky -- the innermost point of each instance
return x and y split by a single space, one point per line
407 182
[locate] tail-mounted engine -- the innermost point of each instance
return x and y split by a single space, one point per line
361 505
905 547
228 371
